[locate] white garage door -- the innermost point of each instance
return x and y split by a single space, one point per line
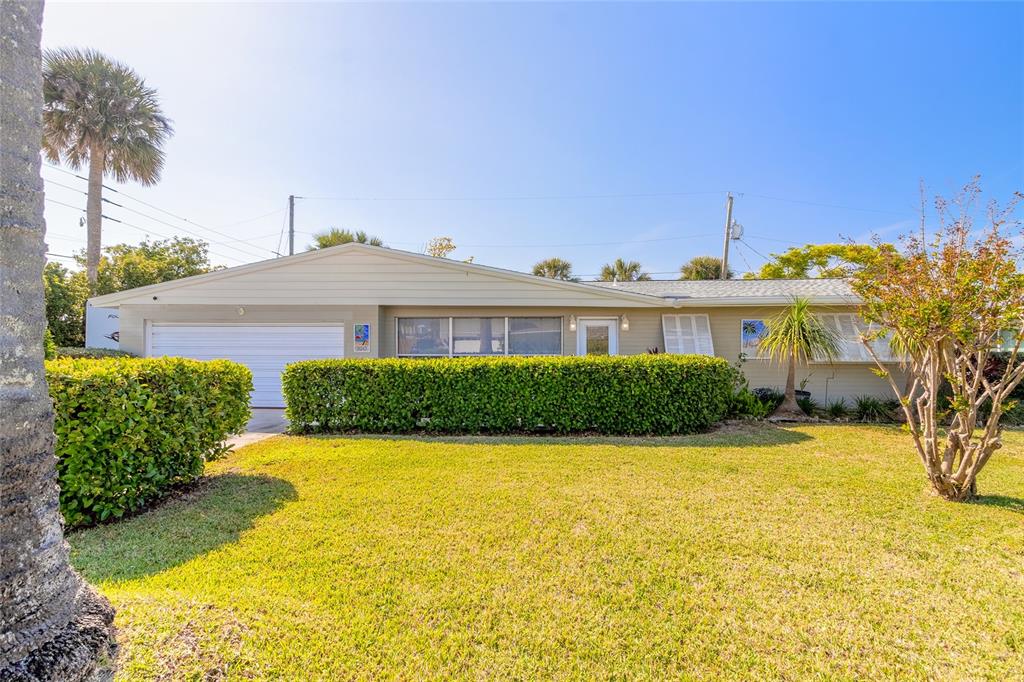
264 349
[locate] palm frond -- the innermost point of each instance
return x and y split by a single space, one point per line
91 103
798 332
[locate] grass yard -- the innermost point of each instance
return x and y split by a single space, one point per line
785 553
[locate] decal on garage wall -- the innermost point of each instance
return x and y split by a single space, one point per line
102 328
361 338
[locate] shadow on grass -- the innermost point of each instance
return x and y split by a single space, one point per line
744 435
1014 504
213 513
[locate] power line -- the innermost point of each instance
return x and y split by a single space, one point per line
743 256
770 239
164 211
556 246
144 230
818 203
527 197
280 237
754 250
163 222
253 219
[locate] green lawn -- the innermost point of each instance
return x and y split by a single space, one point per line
759 552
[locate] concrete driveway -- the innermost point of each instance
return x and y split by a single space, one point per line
265 422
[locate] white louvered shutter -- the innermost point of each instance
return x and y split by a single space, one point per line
850 329
687 334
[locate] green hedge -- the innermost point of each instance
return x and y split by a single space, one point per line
130 428
93 353
642 394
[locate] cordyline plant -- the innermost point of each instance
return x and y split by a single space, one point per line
951 302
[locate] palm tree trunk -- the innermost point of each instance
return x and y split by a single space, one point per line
94 215
53 625
789 408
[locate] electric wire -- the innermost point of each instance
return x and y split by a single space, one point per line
164 211
144 230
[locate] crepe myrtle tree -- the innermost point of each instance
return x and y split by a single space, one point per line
951 300
53 626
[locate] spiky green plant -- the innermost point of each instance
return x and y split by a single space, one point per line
703 267
99 112
797 335
335 237
554 268
623 271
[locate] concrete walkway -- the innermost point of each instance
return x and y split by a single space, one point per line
265 422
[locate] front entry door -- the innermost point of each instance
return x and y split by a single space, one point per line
597 337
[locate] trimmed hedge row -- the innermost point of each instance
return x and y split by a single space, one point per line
130 428
93 353
642 394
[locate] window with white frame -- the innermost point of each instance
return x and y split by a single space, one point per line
687 334
851 328
478 335
471 336
424 336
535 335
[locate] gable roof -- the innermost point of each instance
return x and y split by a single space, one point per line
741 291
360 274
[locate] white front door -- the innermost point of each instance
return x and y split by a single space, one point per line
264 349
597 337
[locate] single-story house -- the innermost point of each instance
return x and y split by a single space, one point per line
360 301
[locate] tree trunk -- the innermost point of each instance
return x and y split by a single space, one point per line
53 625
94 216
789 408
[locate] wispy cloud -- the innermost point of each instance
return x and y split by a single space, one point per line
890 229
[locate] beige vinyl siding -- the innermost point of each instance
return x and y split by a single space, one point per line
826 382
134 319
644 324
380 277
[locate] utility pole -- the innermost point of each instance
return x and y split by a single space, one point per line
291 223
728 235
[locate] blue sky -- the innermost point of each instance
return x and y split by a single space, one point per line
581 131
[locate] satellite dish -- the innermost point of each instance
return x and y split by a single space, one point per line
736 232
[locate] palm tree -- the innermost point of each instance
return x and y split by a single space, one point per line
797 335
703 267
99 112
53 625
554 268
622 271
334 237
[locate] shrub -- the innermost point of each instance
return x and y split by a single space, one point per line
744 404
769 396
837 409
641 394
130 428
49 347
808 405
92 353
868 408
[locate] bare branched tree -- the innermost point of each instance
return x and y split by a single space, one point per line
951 301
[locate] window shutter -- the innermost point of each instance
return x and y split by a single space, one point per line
687 334
850 328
